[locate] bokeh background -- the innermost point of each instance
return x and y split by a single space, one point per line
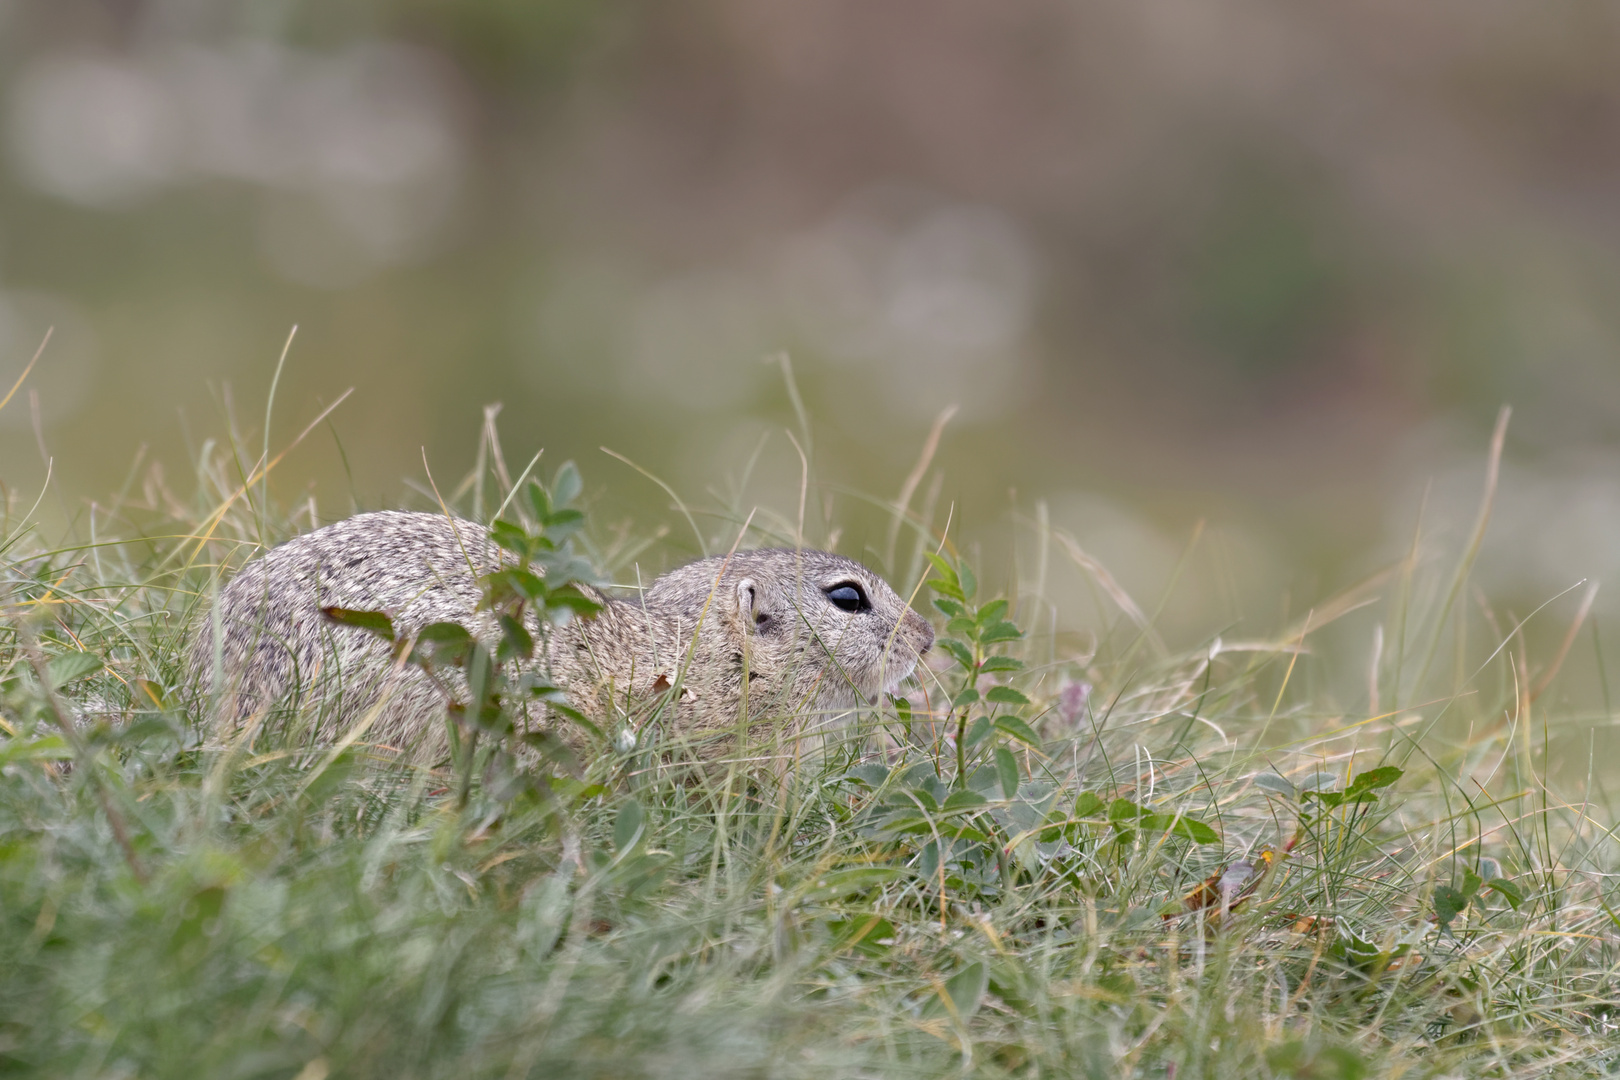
1267 265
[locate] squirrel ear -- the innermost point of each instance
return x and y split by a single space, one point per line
748 603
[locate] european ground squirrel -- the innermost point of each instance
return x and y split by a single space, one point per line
817 635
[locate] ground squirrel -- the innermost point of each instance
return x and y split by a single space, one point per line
816 633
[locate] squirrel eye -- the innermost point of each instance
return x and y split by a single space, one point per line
848 596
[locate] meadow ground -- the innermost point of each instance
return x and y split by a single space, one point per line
1061 855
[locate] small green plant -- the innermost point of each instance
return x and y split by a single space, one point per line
538 587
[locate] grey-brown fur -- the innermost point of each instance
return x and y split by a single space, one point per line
685 642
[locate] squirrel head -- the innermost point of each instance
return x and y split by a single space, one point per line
820 629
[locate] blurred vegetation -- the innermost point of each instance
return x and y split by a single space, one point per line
1275 272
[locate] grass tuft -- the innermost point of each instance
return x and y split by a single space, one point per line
1058 855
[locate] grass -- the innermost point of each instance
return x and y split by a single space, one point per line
1125 861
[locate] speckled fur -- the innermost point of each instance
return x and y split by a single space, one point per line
675 656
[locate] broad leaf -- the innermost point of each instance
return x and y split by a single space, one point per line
1001 631
1088 804
568 598
959 801
970 584
1019 730
837 884
872 774
1007 771
566 485
442 643
1452 900
511 537
374 622
1372 779
976 732
539 501
965 990
1507 890
516 641
869 934
628 826
72 666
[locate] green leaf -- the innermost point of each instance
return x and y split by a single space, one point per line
72 666
568 598
1001 663
1001 631
964 991
1191 828
947 584
1450 901
869 934
992 612
48 748
564 523
962 625
949 608
628 826
976 732
970 584
944 569
442 643
903 822
965 697
915 796
566 485
1088 804
577 717
539 501
506 586
1507 890
959 652
1123 810
1295 1059
1005 695
1372 779
480 670
1017 729
1126 815
1448 904
492 718
872 774
373 622
552 749
837 884
1341 798
1007 771
512 537
1275 784
516 641
444 633
959 801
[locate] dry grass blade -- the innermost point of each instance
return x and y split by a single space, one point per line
20 378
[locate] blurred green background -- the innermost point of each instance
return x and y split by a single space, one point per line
1270 265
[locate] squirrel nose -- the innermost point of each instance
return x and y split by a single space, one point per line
924 633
